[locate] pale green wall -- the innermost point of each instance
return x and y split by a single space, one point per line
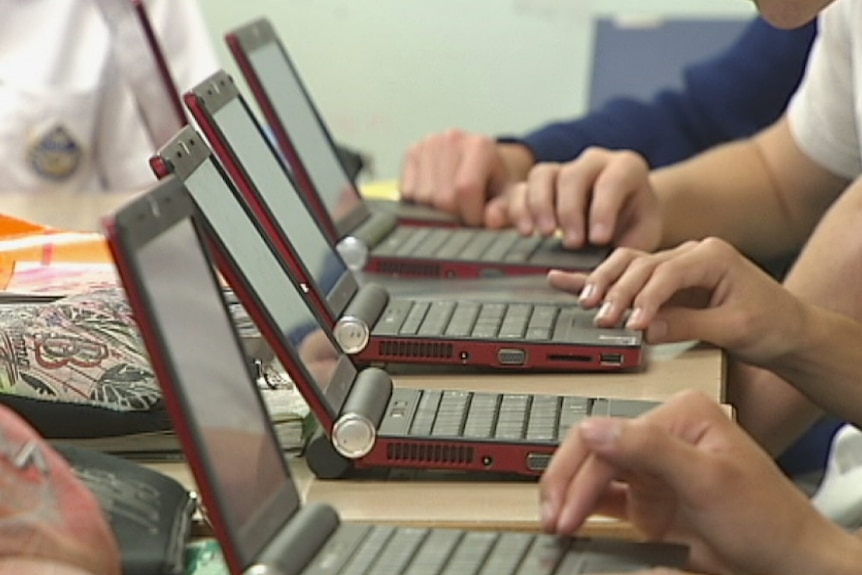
385 72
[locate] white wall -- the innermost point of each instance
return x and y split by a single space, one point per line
386 72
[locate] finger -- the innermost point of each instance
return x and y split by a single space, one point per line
410 172
574 194
605 274
472 178
427 164
541 197
517 211
447 159
572 282
622 178
497 212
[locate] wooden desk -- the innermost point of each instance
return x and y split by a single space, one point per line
511 505
498 504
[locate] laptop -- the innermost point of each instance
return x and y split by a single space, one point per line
140 58
377 240
370 424
245 483
368 322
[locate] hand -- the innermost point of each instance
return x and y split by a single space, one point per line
48 519
703 290
684 472
458 171
600 198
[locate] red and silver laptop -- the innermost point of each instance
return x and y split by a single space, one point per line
376 240
369 322
247 489
368 423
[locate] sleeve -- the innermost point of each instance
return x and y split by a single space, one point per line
731 96
822 114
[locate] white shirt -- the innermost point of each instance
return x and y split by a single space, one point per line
68 118
825 114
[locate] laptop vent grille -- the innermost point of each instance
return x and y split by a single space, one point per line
440 453
409 269
428 349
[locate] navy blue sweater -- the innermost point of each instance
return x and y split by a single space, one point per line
731 96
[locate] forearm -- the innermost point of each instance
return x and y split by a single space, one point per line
763 195
823 364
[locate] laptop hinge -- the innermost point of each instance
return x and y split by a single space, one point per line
354 248
292 549
355 430
352 331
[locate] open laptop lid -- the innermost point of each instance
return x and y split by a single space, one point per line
309 149
238 140
196 353
262 281
136 52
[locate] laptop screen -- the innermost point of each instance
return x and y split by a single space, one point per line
289 212
219 403
307 133
279 297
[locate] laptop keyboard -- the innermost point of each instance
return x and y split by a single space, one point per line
475 320
535 418
385 550
460 244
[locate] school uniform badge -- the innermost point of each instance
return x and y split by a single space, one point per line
55 154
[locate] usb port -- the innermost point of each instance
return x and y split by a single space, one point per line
611 359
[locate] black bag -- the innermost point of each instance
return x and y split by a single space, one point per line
150 513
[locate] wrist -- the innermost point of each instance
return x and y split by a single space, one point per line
831 550
517 158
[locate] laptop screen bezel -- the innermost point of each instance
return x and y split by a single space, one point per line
242 42
325 405
204 106
132 228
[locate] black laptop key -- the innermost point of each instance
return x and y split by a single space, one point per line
413 241
393 318
451 413
438 316
463 319
426 412
480 241
435 552
435 239
471 553
543 420
512 417
573 411
415 317
364 557
455 244
393 241
498 249
566 322
482 415
523 249
515 321
544 556
399 552
507 554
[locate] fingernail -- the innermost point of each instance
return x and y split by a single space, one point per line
605 310
587 292
600 432
634 317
